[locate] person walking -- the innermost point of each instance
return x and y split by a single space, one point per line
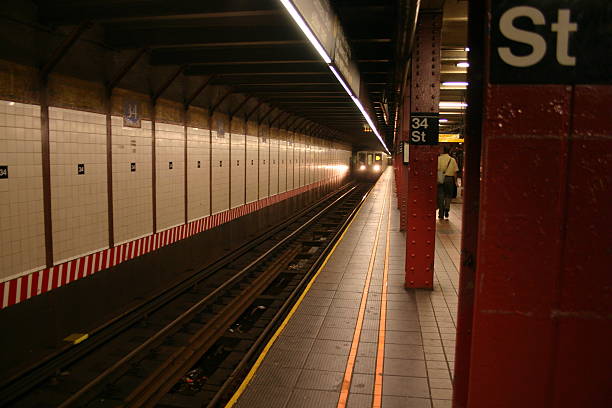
447 178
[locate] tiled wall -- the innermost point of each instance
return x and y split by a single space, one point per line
299 164
22 230
132 185
252 185
274 163
198 173
79 206
237 167
264 161
220 171
290 165
263 165
170 174
282 162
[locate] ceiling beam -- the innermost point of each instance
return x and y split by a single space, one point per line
123 36
75 11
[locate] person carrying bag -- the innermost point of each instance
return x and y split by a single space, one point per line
446 183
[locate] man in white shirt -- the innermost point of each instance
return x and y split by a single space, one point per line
448 166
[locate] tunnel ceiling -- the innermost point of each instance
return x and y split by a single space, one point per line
251 48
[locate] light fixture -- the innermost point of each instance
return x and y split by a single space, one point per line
451 113
463 64
467 49
339 78
315 42
443 120
452 105
306 30
455 85
367 118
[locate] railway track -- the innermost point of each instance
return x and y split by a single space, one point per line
191 345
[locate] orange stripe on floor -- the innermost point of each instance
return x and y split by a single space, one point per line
380 350
350 365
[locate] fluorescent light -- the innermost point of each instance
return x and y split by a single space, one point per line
458 85
451 113
367 118
339 78
315 42
463 64
466 49
453 104
443 120
306 30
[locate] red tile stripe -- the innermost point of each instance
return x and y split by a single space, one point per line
24 287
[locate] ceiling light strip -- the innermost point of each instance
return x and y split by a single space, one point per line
317 45
306 30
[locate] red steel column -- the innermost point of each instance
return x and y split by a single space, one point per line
471 199
542 324
421 191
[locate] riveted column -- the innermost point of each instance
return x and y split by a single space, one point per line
540 322
421 186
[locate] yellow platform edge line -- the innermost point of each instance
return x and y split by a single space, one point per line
76 338
280 329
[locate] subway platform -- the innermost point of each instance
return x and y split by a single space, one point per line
357 337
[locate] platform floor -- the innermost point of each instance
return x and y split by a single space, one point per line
329 352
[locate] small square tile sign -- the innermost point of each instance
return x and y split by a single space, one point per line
81 168
132 167
3 172
170 165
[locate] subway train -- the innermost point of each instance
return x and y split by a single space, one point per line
369 165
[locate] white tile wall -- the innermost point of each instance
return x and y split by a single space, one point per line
306 161
79 203
290 164
317 160
252 184
170 188
274 165
220 172
282 162
132 199
264 162
21 197
238 166
300 167
198 178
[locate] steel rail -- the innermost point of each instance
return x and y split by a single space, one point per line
26 379
243 365
192 310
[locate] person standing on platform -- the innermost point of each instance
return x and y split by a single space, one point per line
447 178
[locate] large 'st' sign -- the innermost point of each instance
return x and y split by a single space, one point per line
551 41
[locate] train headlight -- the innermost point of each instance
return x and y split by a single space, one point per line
362 167
376 168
